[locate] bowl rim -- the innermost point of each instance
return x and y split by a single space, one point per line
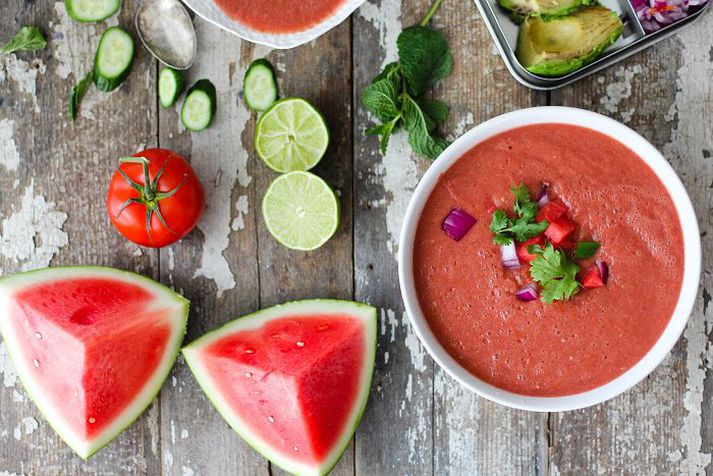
689 229
209 11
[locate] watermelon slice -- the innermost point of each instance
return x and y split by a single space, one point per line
292 380
91 345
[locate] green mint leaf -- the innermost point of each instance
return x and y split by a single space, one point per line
436 111
384 131
424 56
381 98
556 273
27 39
391 71
502 240
78 91
419 136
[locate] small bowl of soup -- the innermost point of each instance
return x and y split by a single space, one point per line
549 259
278 24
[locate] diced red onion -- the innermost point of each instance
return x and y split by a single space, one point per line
542 198
528 293
457 223
508 256
603 270
655 14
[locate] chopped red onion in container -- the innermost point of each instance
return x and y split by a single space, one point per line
656 14
457 223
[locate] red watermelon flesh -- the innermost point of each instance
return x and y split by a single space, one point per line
290 384
303 391
90 346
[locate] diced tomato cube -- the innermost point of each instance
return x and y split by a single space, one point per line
592 279
552 211
559 230
522 251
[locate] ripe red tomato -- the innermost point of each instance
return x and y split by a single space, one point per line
164 211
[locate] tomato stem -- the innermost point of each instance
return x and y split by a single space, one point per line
148 195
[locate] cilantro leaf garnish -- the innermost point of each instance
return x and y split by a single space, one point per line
556 273
395 96
522 228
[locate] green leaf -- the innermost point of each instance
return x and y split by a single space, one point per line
524 207
556 273
381 98
78 91
524 228
391 71
586 249
27 39
384 131
419 135
424 56
499 222
436 111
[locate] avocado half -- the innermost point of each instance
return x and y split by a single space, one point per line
558 46
543 8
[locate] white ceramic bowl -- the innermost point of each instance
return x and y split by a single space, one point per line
208 10
691 243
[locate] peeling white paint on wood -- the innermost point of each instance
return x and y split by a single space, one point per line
27 426
242 208
620 90
9 156
219 152
23 73
7 369
32 235
694 115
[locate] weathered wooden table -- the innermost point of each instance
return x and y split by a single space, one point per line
53 180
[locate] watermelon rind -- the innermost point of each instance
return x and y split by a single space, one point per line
165 298
366 313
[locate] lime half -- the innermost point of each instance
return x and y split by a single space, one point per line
291 135
301 211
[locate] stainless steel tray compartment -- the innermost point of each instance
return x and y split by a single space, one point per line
504 32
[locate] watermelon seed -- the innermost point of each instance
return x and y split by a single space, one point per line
249 351
92 419
322 328
270 419
38 335
248 374
36 363
294 447
300 343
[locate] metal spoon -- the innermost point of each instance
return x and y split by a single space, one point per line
166 30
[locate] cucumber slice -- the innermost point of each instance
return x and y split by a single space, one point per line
91 10
199 106
113 59
260 86
170 86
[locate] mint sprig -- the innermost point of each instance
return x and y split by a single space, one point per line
27 39
396 95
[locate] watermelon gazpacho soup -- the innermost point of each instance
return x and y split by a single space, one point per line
292 380
91 345
548 260
280 16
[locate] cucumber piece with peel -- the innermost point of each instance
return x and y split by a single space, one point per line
91 10
170 86
199 106
112 62
260 86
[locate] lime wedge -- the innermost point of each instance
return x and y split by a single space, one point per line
291 135
301 211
